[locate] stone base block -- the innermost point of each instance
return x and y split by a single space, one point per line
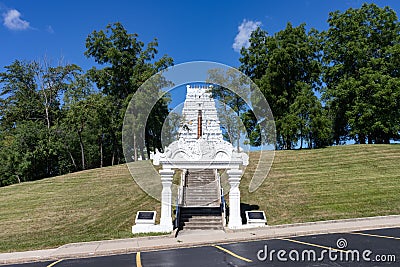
151 228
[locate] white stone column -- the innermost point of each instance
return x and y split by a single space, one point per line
235 220
166 200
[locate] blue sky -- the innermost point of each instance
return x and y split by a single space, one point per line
186 30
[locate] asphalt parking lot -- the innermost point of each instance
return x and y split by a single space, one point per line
363 248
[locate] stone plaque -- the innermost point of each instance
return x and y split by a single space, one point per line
255 217
145 217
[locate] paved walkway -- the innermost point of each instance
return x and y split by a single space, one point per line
198 238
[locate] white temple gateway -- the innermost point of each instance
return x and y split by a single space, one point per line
200 152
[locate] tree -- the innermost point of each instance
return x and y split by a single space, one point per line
89 120
361 59
310 119
29 115
127 66
285 66
232 106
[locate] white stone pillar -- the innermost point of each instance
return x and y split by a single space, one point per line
166 200
235 220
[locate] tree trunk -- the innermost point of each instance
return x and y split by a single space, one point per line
101 150
148 149
362 139
142 153
82 150
73 160
135 149
238 140
301 139
19 180
47 116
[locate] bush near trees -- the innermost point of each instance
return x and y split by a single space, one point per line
324 88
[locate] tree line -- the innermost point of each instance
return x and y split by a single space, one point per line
324 88
352 67
60 119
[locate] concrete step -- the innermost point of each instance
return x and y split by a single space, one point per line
201 200
200 217
197 193
201 194
204 182
194 196
200 211
202 203
194 220
201 186
201 222
202 227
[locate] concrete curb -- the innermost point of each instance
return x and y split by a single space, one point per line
198 238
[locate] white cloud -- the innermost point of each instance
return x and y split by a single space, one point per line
49 29
242 38
13 21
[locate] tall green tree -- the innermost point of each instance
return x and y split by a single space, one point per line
286 66
29 115
231 107
361 58
89 127
127 64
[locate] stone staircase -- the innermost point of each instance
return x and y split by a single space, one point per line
200 219
201 202
201 189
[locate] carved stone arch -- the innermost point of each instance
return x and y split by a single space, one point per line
222 155
177 154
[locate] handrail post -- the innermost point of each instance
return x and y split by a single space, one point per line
221 198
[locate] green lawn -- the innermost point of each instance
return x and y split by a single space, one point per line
331 183
307 185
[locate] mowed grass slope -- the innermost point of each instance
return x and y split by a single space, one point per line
84 206
305 185
331 183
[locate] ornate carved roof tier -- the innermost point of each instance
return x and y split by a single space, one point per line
200 98
207 151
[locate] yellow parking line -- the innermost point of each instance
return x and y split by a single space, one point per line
381 236
233 254
138 260
311 244
54 263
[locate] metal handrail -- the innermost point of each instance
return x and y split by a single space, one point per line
177 210
223 207
179 198
221 197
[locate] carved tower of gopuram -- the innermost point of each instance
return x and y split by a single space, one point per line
200 118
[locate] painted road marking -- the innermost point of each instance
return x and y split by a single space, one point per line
138 260
380 236
233 254
54 263
312 245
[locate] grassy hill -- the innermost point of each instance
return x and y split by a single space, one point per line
306 185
